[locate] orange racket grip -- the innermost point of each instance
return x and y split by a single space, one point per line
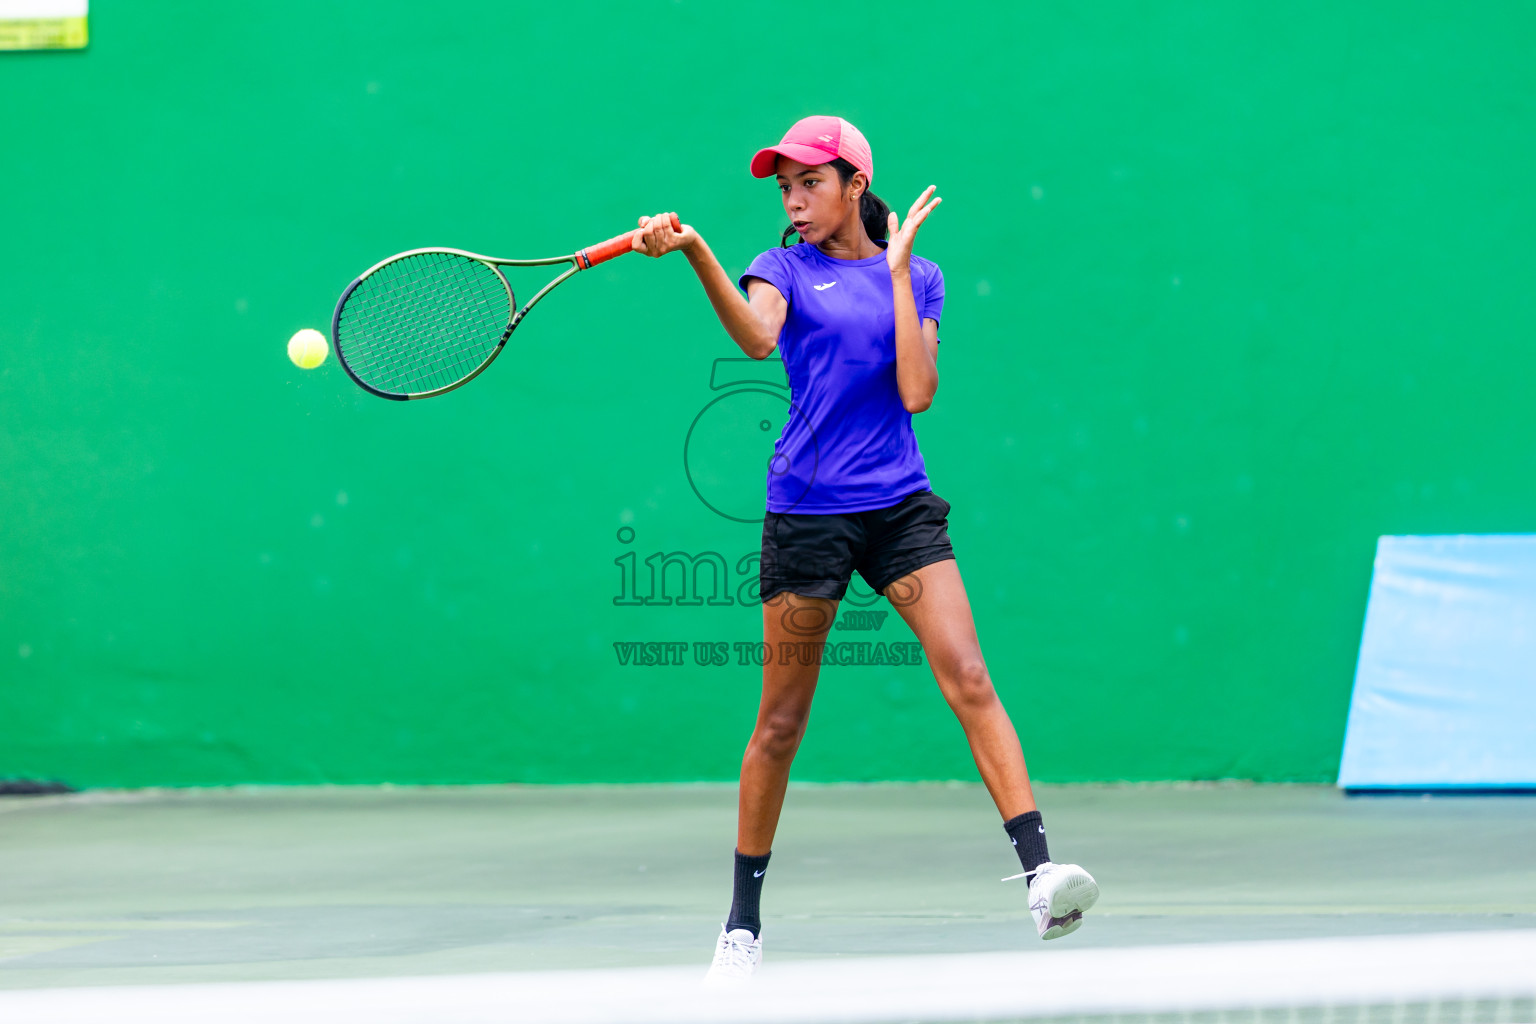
616 246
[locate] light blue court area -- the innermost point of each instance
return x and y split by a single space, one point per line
1445 689
166 888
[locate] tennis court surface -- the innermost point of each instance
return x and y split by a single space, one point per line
1220 902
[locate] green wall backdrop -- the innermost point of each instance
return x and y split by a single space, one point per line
1231 292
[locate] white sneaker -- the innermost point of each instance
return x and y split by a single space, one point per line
737 954
1058 895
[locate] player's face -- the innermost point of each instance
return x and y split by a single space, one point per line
815 199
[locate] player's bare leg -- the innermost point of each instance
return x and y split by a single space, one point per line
933 602
782 714
789 682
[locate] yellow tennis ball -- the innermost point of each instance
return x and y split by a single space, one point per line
307 348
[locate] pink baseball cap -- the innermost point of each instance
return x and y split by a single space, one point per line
818 139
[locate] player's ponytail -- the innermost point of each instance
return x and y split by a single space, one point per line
872 209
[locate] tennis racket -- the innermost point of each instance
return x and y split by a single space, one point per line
427 321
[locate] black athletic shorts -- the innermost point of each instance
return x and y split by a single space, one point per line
816 555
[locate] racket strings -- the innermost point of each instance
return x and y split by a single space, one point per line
434 321
441 353
437 336
423 322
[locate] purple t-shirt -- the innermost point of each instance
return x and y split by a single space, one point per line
847 445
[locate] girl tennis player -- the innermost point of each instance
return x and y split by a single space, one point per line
855 317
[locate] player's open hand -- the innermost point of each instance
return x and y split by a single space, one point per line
657 237
898 253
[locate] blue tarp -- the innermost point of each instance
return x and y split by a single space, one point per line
1445 689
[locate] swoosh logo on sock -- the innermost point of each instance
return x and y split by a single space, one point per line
759 874
1015 842
1042 830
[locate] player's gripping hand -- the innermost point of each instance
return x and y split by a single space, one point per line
656 236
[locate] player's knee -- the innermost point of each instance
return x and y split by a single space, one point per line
778 735
970 685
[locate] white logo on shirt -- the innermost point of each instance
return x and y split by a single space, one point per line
823 287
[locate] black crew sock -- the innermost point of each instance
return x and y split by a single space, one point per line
1028 835
749 887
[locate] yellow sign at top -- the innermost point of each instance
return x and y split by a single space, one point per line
42 24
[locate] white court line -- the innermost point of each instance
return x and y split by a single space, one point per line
1304 972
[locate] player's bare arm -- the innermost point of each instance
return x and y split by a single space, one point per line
917 341
754 322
